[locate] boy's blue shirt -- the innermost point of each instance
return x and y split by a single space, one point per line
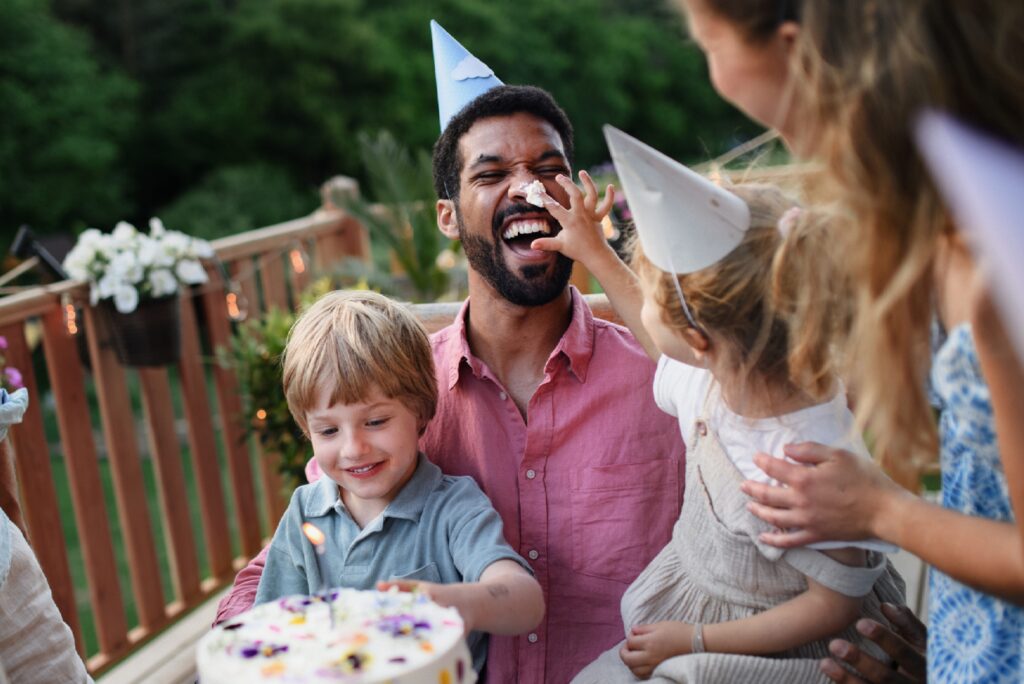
439 528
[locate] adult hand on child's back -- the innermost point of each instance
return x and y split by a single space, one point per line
904 640
840 497
648 645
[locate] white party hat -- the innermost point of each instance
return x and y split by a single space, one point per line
684 221
981 179
460 76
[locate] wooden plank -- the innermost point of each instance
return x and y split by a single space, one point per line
298 271
126 469
437 315
355 240
275 295
277 237
163 446
16 308
274 497
9 500
225 383
203 445
68 382
38 493
580 277
244 275
327 250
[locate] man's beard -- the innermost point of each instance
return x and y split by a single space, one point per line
532 286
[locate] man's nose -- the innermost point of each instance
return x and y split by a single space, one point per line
519 183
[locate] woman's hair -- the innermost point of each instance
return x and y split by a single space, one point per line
865 71
350 341
749 297
757 20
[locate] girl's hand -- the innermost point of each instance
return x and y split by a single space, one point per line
840 497
648 645
582 237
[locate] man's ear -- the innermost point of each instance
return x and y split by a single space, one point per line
447 221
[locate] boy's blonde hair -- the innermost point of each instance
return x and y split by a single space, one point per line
349 341
866 69
748 298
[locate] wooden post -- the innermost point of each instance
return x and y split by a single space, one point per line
126 469
68 382
203 445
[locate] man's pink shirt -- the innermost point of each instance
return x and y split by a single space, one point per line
588 489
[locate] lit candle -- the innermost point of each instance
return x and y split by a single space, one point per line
317 539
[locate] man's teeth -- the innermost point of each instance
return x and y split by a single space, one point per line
518 228
361 470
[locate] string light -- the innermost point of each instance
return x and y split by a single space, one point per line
261 414
298 260
237 305
70 318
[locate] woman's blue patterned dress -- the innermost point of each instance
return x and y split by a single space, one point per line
972 637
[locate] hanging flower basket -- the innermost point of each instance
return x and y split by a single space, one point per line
148 336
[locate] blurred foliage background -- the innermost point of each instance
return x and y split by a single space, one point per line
222 115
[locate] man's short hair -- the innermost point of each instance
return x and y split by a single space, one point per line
503 100
349 341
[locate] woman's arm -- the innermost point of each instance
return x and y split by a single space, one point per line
506 600
845 497
815 614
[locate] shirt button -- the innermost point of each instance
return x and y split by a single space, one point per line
533 554
702 428
530 474
503 395
532 637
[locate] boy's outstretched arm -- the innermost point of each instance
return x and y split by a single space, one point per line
506 600
582 240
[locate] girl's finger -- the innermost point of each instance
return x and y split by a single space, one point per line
606 204
554 207
590 190
547 244
575 194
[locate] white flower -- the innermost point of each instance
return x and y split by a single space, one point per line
162 283
190 271
126 265
126 298
201 249
124 232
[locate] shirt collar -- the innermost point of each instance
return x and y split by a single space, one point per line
326 496
576 343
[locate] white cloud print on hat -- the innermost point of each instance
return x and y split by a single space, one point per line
461 77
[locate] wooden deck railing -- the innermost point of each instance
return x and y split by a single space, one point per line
269 266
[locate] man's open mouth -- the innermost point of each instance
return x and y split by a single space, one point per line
519 231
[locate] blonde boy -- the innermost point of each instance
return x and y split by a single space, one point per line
359 380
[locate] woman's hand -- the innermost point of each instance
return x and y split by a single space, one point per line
648 645
830 494
582 236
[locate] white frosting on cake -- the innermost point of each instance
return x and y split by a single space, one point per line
533 192
377 637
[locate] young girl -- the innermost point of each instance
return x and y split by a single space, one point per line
725 370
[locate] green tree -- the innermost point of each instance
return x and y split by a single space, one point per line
63 125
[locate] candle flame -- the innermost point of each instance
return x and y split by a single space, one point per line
313 534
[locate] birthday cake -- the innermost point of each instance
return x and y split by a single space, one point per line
373 637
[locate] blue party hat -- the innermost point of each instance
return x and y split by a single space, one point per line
460 76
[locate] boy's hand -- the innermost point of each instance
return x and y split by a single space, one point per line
581 237
648 645
446 595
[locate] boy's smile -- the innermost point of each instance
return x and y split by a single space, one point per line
368 448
